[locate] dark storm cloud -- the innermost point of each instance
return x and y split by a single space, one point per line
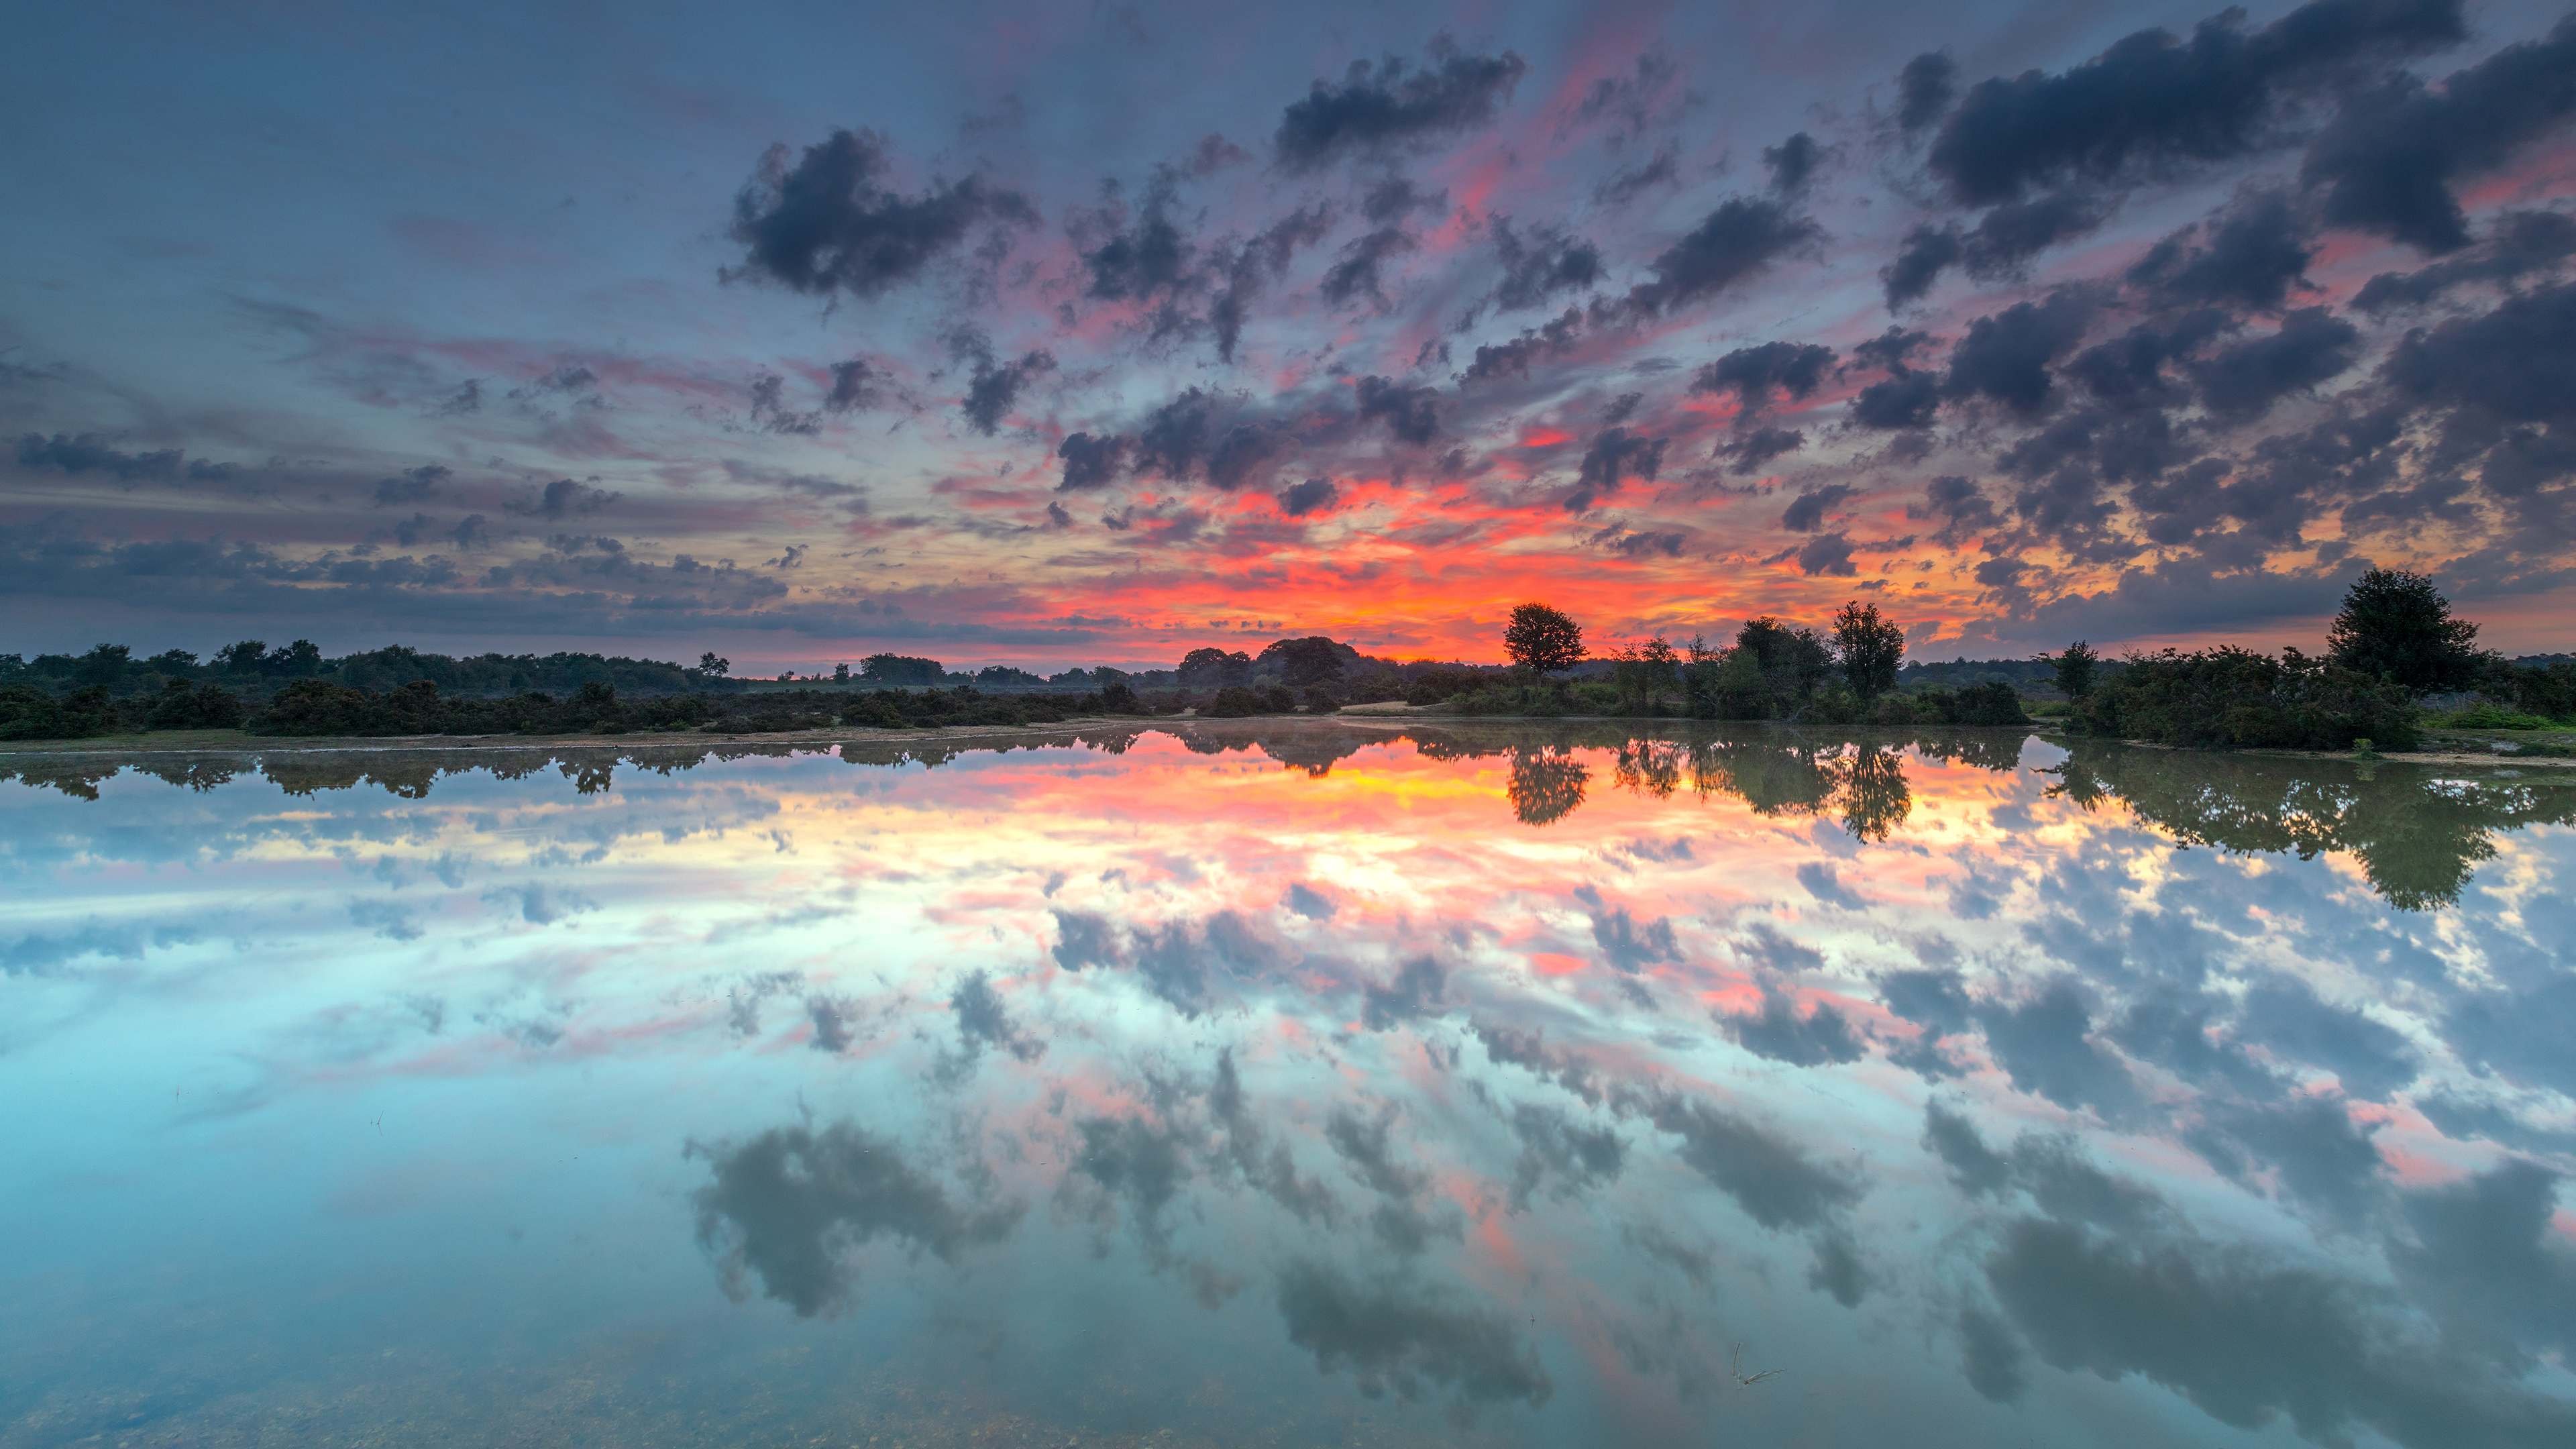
1402 1336
827 224
2245 1339
561 499
854 386
1908 401
1793 163
2241 382
1777 1031
2153 103
1616 455
1924 89
2518 244
2389 161
1513 358
1731 245
1749 451
1827 556
1537 268
1359 272
792 1204
996 387
1257 263
1961 506
2248 259
2005 356
1766 1174
1757 374
1315 495
1412 413
1390 104
410 486
1806 513
1092 462
90 453
1135 263
2517 362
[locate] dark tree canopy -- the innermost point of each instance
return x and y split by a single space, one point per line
2073 670
1214 668
1792 661
2396 625
1314 659
1871 648
901 669
1542 640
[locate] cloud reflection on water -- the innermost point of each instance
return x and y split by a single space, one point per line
1516 1072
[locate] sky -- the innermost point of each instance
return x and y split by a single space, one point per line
1057 335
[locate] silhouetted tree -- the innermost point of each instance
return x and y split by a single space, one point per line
900 669
1214 668
1302 662
1543 640
1870 646
1793 661
242 658
105 664
2397 626
714 666
2073 670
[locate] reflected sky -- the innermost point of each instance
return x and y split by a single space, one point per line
1548 1085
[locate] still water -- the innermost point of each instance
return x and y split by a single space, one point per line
1288 1084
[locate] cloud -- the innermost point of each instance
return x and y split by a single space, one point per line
1766 1174
1828 556
1411 413
2005 356
2245 1339
1554 1148
561 499
1615 455
1363 259
1806 513
1731 245
1414 992
2514 362
90 453
2251 259
2241 382
1309 902
2154 103
1924 89
1513 358
828 225
1537 269
790 1205
1755 374
997 386
1315 495
982 1020
2518 244
2044 1044
410 486
2390 160
1793 163
854 386
1777 1031
1406 1337
1389 105
1092 462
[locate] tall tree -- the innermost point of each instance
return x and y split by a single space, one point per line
2396 625
1870 647
1542 640
2073 669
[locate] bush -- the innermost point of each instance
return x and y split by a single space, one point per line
2231 698
207 707
28 713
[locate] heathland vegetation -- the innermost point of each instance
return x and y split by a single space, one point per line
2394 652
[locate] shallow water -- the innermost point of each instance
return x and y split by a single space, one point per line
1289 1084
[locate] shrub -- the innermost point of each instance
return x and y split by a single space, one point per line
2231 698
29 713
207 707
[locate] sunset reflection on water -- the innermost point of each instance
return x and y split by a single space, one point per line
1292 1082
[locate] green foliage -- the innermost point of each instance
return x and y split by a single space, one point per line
2072 672
1642 676
1871 647
1237 701
1793 661
29 713
2396 625
206 707
901 669
1543 640
715 666
1302 662
2231 698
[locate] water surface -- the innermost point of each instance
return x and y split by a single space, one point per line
1288 1084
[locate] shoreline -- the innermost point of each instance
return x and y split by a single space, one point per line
1377 719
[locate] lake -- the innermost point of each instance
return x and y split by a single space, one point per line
1288 1083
